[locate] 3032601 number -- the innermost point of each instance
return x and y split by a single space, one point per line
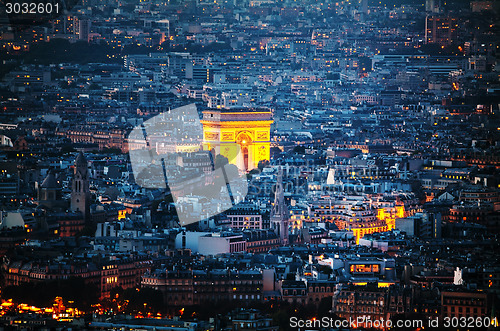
32 8
468 322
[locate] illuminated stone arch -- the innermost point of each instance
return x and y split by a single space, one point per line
245 140
241 135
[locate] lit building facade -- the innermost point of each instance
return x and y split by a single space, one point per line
353 216
441 30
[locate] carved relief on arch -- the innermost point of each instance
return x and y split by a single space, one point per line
211 136
244 138
227 136
262 135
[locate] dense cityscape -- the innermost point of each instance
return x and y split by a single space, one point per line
349 150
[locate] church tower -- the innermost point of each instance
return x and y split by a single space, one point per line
80 192
50 193
279 211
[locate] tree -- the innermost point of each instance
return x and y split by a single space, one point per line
325 269
148 298
262 164
282 319
94 86
67 149
66 85
220 161
61 50
72 289
325 305
88 230
275 151
254 171
299 150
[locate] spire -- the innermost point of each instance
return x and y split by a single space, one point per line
80 193
50 181
279 211
279 208
49 192
81 159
